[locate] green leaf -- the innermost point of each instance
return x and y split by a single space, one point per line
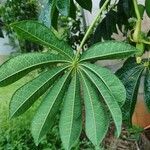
85 4
114 19
112 83
47 12
63 7
25 96
106 27
147 7
141 10
97 75
73 10
97 120
108 50
1 33
130 75
17 67
45 116
70 124
102 3
147 89
31 30
54 21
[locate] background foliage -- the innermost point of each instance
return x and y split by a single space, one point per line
119 15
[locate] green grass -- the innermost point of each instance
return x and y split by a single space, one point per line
15 133
13 130
5 97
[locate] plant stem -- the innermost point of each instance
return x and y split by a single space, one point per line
92 26
135 3
137 31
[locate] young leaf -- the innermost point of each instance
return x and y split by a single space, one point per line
96 76
45 116
17 67
130 75
147 89
108 50
31 30
147 7
70 124
85 4
25 96
63 7
97 120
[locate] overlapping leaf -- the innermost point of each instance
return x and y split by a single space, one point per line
114 19
67 8
70 124
147 88
72 9
98 76
85 4
112 83
25 96
108 50
17 67
96 120
47 12
44 119
130 75
147 7
36 32
64 7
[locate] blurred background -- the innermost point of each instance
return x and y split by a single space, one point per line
15 133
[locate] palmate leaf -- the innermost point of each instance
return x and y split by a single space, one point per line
97 120
36 32
102 91
99 77
108 50
70 124
147 88
17 67
25 96
130 75
45 116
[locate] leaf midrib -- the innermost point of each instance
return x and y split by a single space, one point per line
38 89
72 114
52 105
38 64
91 106
103 97
46 43
102 81
133 93
105 55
